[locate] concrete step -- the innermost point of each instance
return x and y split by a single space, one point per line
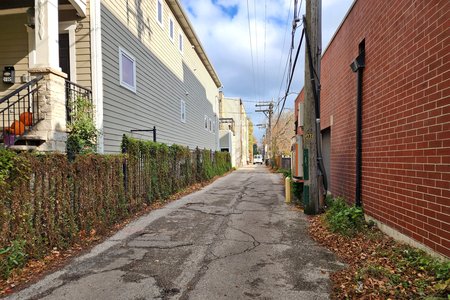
30 140
22 148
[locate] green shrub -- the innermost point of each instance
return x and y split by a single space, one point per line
344 219
285 172
6 163
297 189
83 134
12 257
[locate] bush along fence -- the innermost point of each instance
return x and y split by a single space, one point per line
47 201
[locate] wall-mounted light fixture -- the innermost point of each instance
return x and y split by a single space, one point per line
30 18
358 63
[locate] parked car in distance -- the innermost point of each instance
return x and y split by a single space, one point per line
257 159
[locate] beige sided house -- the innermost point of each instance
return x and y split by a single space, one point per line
140 62
234 130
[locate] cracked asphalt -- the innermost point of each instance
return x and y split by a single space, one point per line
234 239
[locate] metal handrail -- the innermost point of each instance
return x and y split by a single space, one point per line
17 91
74 90
21 112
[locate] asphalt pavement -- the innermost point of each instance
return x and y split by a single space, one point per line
234 239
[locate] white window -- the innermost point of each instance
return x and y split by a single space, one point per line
214 126
127 70
180 42
171 29
210 125
159 12
206 122
183 111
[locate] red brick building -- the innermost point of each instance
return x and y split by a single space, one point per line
405 115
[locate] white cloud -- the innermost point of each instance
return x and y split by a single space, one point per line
227 44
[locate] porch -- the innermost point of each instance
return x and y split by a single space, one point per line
44 53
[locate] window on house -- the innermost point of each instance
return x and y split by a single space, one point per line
183 111
159 12
171 29
206 122
180 42
214 126
210 124
127 70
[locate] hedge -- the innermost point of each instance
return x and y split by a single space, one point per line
47 201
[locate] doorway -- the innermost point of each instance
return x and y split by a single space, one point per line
64 54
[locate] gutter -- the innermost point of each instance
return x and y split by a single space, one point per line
358 66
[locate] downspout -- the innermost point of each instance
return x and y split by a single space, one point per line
358 67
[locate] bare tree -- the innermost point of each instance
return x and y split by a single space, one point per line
282 134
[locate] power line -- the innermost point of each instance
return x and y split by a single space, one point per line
292 73
258 90
251 46
296 19
282 51
289 57
265 45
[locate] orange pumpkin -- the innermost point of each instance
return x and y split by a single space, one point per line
26 118
17 128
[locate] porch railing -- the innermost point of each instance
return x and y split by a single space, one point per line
73 93
19 111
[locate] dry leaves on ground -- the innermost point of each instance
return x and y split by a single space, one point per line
377 267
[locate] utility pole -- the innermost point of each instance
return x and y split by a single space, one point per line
311 132
267 109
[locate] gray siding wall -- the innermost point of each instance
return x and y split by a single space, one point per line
83 50
159 91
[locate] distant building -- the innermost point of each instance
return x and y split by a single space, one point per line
234 130
401 48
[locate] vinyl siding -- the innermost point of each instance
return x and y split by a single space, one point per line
13 48
163 76
83 51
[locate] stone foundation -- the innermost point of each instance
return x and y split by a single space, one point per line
52 109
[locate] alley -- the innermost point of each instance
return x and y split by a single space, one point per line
234 239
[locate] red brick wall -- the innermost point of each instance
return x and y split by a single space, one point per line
406 114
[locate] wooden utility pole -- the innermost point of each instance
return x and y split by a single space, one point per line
268 111
311 132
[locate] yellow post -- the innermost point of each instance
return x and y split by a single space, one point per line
287 184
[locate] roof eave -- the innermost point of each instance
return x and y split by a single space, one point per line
188 29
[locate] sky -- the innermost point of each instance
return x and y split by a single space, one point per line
249 41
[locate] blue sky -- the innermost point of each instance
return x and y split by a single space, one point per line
249 45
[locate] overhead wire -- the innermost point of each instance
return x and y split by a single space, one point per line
282 51
291 65
292 74
251 46
265 47
258 90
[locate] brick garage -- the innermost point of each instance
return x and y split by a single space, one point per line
406 114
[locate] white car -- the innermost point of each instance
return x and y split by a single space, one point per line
257 159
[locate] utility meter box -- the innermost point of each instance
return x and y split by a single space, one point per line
297 158
9 75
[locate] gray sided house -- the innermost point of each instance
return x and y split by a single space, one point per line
140 62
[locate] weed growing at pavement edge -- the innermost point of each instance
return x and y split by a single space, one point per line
15 257
344 219
380 268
